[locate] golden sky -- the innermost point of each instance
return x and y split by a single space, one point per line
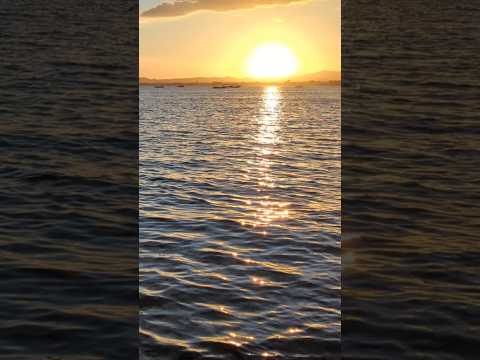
207 38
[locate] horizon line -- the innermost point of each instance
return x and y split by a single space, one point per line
245 78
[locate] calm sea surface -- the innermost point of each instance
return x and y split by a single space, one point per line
69 180
410 177
240 222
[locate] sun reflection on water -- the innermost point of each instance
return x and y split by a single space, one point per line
269 120
267 208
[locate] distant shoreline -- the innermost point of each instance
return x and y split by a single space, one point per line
318 78
169 83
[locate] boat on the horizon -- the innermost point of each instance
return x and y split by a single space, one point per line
226 86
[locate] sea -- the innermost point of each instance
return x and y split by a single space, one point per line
69 180
240 222
410 175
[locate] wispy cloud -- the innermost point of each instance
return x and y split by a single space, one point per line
184 7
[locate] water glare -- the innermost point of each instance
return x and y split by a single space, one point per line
268 141
239 222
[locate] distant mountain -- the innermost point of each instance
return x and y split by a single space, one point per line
322 76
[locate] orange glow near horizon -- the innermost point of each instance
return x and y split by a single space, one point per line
275 42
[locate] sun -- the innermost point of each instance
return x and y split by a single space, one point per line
270 61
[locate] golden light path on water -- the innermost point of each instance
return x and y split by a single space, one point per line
268 209
268 139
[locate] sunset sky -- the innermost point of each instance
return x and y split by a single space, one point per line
240 38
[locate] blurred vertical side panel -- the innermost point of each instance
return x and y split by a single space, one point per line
410 179
69 179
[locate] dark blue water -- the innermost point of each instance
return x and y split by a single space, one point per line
240 222
410 170
69 180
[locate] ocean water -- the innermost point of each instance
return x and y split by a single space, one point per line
240 222
410 140
69 180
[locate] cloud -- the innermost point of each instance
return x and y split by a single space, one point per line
185 7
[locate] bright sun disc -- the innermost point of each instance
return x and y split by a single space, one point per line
272 61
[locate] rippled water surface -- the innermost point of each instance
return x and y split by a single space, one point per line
69 180
410 285
240 222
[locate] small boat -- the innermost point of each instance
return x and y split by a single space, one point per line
180 85
159 87
226 86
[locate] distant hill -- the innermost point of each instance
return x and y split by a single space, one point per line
320 77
